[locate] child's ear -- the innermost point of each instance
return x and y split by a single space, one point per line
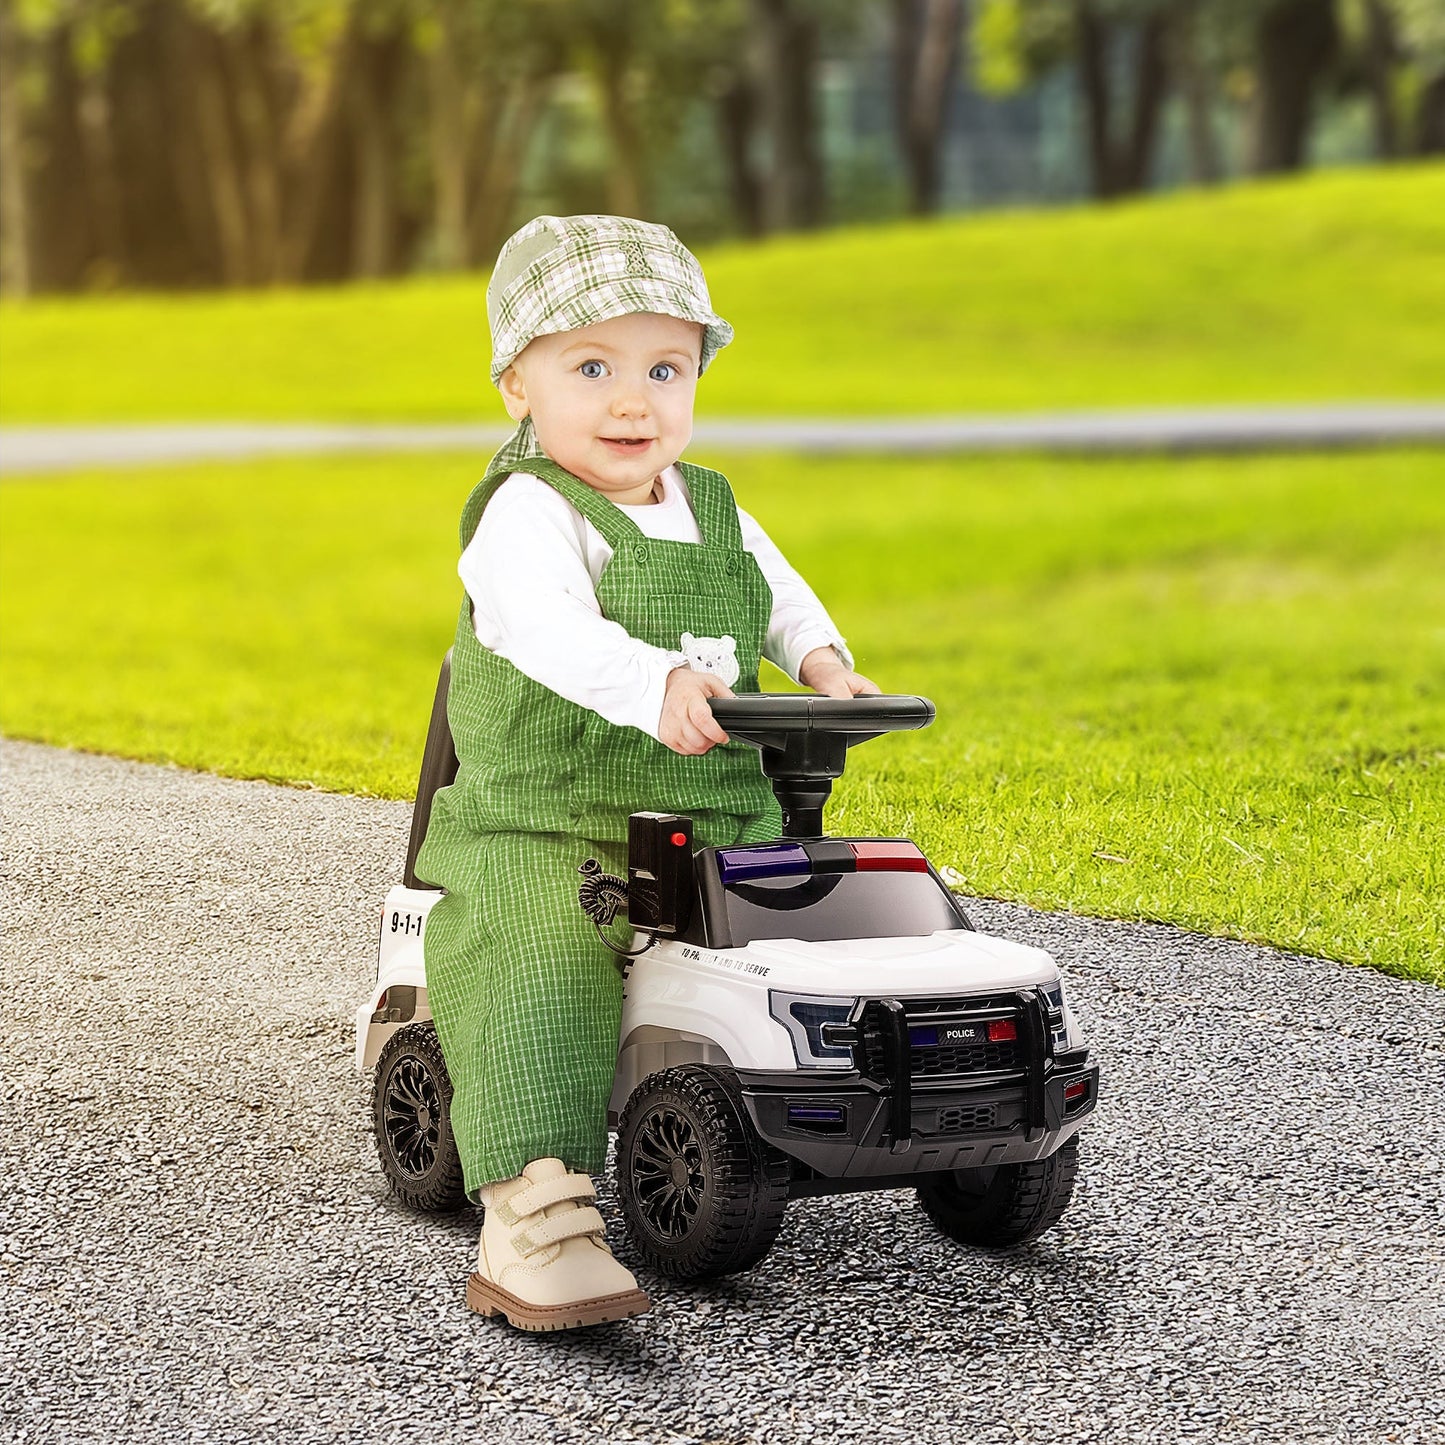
514 393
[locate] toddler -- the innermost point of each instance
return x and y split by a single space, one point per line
611 590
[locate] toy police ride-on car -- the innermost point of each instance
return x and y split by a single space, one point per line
809 1016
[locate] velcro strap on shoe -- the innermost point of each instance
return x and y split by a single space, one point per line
551 1191
557 1228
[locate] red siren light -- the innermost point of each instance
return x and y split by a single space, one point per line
894 856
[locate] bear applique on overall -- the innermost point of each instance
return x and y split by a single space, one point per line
717 655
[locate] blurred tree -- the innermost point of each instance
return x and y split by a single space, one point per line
616 43
182 142
65 224
491 66
1281 54
925 63
291 122
1120 162
246 142
705 51
1372 25
380 52
14 208
723 64
787 38
1295 41
1121 51
1419 32
1196 68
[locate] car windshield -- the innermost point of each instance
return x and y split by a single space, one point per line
828 906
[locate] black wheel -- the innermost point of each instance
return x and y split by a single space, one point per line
1006 1205
702 1194
410 1109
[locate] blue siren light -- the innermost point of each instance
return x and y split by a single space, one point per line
814 1114
769 860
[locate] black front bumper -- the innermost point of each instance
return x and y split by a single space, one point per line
866 1127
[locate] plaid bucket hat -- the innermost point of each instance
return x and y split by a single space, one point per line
559 273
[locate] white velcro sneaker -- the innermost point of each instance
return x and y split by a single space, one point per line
543 1261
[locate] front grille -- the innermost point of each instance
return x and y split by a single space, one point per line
932 1061
965 1120
965 1059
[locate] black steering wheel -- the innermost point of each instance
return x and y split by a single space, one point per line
804 740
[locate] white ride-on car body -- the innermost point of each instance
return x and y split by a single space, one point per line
808 1016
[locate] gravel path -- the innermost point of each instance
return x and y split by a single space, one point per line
198 1244
26 450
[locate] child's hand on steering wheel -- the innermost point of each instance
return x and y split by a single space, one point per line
824 672
687 725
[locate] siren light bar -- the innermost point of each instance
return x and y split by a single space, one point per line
828 855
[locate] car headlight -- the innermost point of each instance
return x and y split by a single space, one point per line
1063 1030
803 1015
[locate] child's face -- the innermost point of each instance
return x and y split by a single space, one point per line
632 377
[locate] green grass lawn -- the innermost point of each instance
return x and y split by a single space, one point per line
1320 287
1208 691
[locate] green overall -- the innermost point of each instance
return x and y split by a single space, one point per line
527 1000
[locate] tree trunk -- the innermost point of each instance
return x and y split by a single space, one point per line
626 185
1092 39
1430 127
793 196
61 228
737 114
374 220
223 168
109 262
1121 167
14 178
483 146
173 221
449 149
499 165
249 58
1294 42
1205 167
925 62
311 151
1381 53
1151 72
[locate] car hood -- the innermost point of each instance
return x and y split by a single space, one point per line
948 961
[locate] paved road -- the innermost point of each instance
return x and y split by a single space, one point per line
28 450
198 1245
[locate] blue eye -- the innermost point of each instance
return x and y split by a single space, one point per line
663 366
591 375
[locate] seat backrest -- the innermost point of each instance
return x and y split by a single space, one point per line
438 768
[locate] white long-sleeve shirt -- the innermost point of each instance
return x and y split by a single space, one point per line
531 571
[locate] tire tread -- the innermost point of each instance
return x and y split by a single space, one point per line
751 1176
445 1191
1023 1201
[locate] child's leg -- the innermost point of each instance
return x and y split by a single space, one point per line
527 1004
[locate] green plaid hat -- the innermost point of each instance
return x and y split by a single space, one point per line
559 273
